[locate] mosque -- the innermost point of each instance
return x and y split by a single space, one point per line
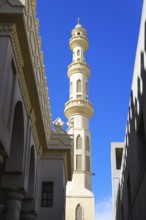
45 173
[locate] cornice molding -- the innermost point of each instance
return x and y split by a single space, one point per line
82 172
50 154
34 41
9 30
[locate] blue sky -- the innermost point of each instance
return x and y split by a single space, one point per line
113 27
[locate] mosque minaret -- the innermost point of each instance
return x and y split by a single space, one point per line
78 110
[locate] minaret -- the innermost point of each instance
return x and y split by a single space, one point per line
78 110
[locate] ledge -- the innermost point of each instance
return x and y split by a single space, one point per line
78 41
78 67
78 106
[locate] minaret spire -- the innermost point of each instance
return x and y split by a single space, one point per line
78 20
79 110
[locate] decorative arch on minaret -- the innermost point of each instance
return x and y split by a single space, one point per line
79 212
86 88
87 144
78 142
78 85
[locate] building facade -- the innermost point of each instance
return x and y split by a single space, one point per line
35 161
129 201
78 110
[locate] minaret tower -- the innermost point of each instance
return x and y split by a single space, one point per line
78 110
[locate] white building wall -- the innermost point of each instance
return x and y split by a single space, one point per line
52 170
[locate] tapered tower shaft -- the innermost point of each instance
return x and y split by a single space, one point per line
79 110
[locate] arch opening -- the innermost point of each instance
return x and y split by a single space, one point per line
15 161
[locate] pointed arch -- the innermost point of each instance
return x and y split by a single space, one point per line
87 144
78 142
15 162
78 85
79 212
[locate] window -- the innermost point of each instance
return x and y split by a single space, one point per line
119 153
47 194
87 144
78 52
78 142
87 88
78 162
88 163
78 85
79 214
71 88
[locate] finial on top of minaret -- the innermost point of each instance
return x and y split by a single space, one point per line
78 20
78 24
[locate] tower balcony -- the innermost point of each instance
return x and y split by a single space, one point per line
79 67
78 40
78 106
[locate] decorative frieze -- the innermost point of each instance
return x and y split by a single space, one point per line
32 26
50 154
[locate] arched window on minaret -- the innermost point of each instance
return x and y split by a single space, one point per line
71 89
78 85
87 88
78 52
79 212
88 163
87 144
78 142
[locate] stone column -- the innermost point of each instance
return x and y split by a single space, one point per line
28 215
14 198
